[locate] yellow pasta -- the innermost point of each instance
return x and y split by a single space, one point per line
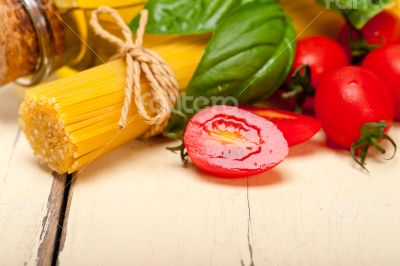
73 121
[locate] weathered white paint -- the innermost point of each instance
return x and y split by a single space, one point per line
139 206
152 211
24 188
328 212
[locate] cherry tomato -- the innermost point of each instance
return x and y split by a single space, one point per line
229 142
349 98
321 54
383 29
385 62
296 128
314 57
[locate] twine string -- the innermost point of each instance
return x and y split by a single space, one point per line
164 88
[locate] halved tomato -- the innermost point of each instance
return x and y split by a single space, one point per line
295 127
230 142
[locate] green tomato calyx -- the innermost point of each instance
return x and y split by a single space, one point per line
371 134
300 87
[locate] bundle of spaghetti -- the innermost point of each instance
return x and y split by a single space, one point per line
73 121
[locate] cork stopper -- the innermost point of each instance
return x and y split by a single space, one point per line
20 51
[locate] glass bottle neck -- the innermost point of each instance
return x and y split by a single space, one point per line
84 48
71 41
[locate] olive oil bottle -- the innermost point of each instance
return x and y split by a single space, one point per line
87 49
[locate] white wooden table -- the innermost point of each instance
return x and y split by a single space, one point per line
139 206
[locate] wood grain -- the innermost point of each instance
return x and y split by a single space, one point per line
52 225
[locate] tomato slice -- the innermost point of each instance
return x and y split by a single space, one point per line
295 127
230 142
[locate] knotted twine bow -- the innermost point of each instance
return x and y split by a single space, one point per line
164 88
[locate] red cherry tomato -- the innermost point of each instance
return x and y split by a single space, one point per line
385 62
321 54
296 128
383 29
349 98
229 142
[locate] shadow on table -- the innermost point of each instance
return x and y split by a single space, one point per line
269 178
10 99
111 162
309 148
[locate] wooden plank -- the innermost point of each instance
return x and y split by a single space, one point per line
9 129
29 194
134 208
139 206
326 211
52 225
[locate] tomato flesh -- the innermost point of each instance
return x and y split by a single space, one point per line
229 142
347 99
385 62
296 128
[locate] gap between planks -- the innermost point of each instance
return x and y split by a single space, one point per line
53 223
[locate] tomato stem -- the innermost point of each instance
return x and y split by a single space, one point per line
359 46
371 134
300 87
182 151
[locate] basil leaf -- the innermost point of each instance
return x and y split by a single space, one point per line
185 17
248 58
357 12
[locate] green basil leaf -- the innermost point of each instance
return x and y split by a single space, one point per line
185 17
357 12
249 57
